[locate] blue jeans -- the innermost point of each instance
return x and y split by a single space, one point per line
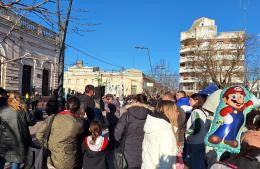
196 156
14 165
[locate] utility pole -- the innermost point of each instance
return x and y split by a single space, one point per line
62 27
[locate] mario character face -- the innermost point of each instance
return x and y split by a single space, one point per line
235 97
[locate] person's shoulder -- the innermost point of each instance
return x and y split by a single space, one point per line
139 106
7 108
198 111
81 97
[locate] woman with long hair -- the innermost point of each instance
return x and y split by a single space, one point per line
15 137
160 146
196 132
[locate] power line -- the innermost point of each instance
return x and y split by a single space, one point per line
77 49
93 57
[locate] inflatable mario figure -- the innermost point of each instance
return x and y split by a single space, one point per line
232 116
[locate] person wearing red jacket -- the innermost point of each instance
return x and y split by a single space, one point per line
232 116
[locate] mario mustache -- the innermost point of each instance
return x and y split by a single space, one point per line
238 104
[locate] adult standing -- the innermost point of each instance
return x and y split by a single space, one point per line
159 144
181 120
65 137
130 130
183 102
52 104
196 132
15 136
88 103
35 98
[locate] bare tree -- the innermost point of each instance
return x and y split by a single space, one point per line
59 24
167 78
218 60
252 59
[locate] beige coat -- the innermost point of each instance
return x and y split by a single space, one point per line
64 142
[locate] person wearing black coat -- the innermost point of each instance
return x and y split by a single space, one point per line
87 103
15 136
130 129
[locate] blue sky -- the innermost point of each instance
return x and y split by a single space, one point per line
156 24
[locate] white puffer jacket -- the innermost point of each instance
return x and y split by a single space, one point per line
159 144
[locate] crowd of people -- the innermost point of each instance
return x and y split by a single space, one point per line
163 133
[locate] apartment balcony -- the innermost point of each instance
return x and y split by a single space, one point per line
187 59
185 49
189 89
187 80
187 70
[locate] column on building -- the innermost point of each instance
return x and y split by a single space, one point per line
12 69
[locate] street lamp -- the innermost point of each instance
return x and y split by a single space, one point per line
149 57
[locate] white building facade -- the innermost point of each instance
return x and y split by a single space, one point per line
119 83
28 55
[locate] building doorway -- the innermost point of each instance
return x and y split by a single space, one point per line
45 82
26 79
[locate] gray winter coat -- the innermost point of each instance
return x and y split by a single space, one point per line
15 136
132 131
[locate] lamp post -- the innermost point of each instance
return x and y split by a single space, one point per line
149 57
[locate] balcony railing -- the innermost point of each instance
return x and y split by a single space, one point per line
10 18
36 29
187 80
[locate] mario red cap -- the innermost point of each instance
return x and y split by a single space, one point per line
233 90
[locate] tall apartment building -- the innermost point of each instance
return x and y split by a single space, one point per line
28 55
205 53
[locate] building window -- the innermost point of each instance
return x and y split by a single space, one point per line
133 89
220 43
219 52
188 87
233 52
69 81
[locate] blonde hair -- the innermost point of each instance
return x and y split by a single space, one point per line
15 101
169 109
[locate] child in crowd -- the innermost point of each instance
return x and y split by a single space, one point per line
94 148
